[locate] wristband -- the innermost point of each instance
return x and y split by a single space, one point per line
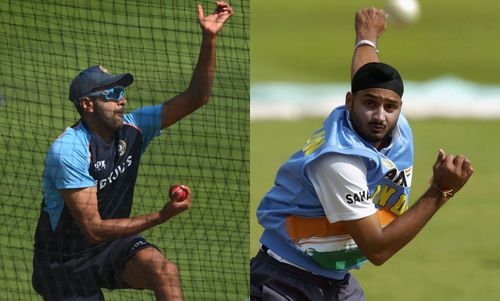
366 42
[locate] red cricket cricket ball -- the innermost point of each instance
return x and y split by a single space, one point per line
177 193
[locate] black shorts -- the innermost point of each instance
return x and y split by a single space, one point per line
271 280
82 277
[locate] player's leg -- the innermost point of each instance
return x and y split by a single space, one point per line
149 269
349 290
271 280
59 281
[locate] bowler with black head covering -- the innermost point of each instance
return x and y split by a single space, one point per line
377 75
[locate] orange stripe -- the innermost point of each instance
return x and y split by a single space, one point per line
300 227
385 217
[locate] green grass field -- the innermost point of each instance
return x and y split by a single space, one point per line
312 41
456 256
44 46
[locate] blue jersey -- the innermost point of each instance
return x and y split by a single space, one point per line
80 158
294 221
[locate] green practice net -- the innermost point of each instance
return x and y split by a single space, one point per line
44 44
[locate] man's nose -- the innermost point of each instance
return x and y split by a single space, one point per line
122 101
378 114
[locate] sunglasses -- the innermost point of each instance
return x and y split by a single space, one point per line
112 94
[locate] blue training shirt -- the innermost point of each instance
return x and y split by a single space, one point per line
295 224
80 158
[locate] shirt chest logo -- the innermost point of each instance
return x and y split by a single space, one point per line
363 196
100 165
101 180
122 147
401 178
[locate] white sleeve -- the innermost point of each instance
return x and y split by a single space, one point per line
341 185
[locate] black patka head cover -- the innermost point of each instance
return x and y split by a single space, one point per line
377 75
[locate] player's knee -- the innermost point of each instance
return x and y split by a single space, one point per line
166 270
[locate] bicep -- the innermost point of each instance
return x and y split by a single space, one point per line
67 164
366 232
362 56
82 204
179 107
340 182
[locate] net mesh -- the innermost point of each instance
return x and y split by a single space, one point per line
45 44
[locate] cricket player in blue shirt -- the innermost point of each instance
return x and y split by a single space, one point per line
85 238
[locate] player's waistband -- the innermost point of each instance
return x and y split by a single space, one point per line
267 255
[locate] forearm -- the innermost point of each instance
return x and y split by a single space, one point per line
200 86
369 25
404 228
83 206
365 53
199 90
362 55
100 230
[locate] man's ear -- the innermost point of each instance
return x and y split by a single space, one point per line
348 101
87 105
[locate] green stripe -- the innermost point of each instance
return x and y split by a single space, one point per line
337 260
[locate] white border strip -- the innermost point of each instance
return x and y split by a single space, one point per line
444 97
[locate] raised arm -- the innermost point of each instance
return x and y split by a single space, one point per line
199 89
82 204
369 25
379 244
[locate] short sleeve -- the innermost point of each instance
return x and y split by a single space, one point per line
67 164
341 185
148 120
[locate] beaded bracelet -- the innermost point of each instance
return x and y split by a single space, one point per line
444 193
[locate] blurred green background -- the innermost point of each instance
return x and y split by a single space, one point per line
312 41
456 256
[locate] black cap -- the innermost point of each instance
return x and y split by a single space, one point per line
95 77
377 75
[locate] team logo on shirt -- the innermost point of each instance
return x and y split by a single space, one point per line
363 196
113 176
393 194
100 165
401 178
122 147
388 163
